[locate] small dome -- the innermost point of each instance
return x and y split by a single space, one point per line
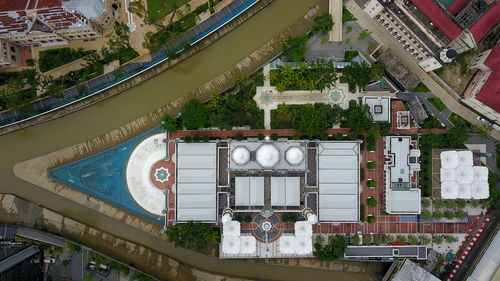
268 156
451 53
240 155
294 155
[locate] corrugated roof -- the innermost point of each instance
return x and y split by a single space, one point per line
486 23
493 59
438 17
457 6
490 92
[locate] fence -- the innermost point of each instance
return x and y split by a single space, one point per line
130 70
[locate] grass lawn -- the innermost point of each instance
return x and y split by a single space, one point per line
350 55
420 88
158 9
459 121
347 16
437 103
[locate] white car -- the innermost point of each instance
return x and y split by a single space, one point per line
49 260
481 119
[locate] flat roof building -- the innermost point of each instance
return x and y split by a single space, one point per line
20 262
412 271
380 108
385 252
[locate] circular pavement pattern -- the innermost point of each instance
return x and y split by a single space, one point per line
271 226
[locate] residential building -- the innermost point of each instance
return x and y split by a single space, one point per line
20 262
483 92
401 166
9 53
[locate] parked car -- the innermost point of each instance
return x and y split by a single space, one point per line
49 260
481 119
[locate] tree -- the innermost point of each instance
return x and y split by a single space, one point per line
295 48
334 250
450 239
461 204
426 203
437 214
371 202
371 165
438 204
372 183
322 24
371 219
437 239
363 35
451 204
216 100
426 215
449 215
377 70
311 119
274 136
461 215
355 239
193 235
137 7
357 117
425 240
194 115
377 239
412 239
357 74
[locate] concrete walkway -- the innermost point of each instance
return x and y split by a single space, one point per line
383 37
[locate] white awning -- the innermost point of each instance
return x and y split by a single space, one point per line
226 218
480 174
285 191
449 190
312 218
231 244
303 245
248 245
249 191
231 228
465 175
449 159
303 228
464 158
480 190
448 174
286 244
465 191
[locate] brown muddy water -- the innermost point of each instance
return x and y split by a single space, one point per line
123 108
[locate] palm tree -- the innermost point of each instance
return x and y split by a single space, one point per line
173 5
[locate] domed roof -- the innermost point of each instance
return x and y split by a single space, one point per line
268 156
294 155
240 155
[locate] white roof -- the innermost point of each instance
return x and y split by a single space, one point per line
294 155
303 245
480 174
449 159
231 228
286 244
196 181
449 190
465 175
464 158
404 201
240 155
480 190
226 218
267 156
91 9
285 191
338 181
487 268
143 157
249 191
379 108
303 228
312 218
465 191
231 244
248 245
400 148
448 174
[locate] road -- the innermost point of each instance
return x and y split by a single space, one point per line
477 250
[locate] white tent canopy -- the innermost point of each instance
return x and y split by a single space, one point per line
287 244
465 158
303 245
248 245
231 244
465 175
312 218
464 191
449 159
226 218
480 190
231 228
449 190
480 174
303 228
448 174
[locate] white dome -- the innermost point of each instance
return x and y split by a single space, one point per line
268 156
240 155
294 155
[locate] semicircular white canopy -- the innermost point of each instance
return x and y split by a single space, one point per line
226 218
294 155
480 190
465 175
248 245
448 174
137 173
449 190
465 191
449 159
303 245
464 158
240 155
480 174
231 244
268 156
312 218
286 244
303 228
231 228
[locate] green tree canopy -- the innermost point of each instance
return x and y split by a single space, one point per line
295 48
377 70
194 115
313 119
357 74
357 117
169 123
334 250
193 235
322 24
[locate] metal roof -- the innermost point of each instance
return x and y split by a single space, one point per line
285 191
249 191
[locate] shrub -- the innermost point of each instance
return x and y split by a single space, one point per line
187 138
247 218
286 217
30 62
450 239
274 136
372 143
372 183
377 239
334 250
461 204
363 35
437 215
371 219
412 239
451 204
426 203
371 202
261 136
296 136
371 165
239 136
193 235
196 138
74 247
426 215
461 215
437 239
339 136
449 215
401 239
169 123
205 138
438 204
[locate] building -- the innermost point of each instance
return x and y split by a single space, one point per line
483 92
417 110
380 108
385 253
409 270
401 167
488 266
424 28
49 22
20 262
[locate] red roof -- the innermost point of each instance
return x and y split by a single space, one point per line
493 59
490 92
457 6
15 5
438 17
486 23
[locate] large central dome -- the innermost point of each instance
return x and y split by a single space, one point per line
268 156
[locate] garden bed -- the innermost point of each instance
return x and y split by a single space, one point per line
420 88
437 103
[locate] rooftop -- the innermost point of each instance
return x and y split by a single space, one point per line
490 92
438 17
483 26
412 271
380 108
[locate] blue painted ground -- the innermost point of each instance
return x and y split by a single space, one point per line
103 176
414 219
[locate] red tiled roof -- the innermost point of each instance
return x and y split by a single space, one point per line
16 5
457 6
486 23
493 59
490 92
438 17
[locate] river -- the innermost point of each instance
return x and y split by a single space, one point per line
150 95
